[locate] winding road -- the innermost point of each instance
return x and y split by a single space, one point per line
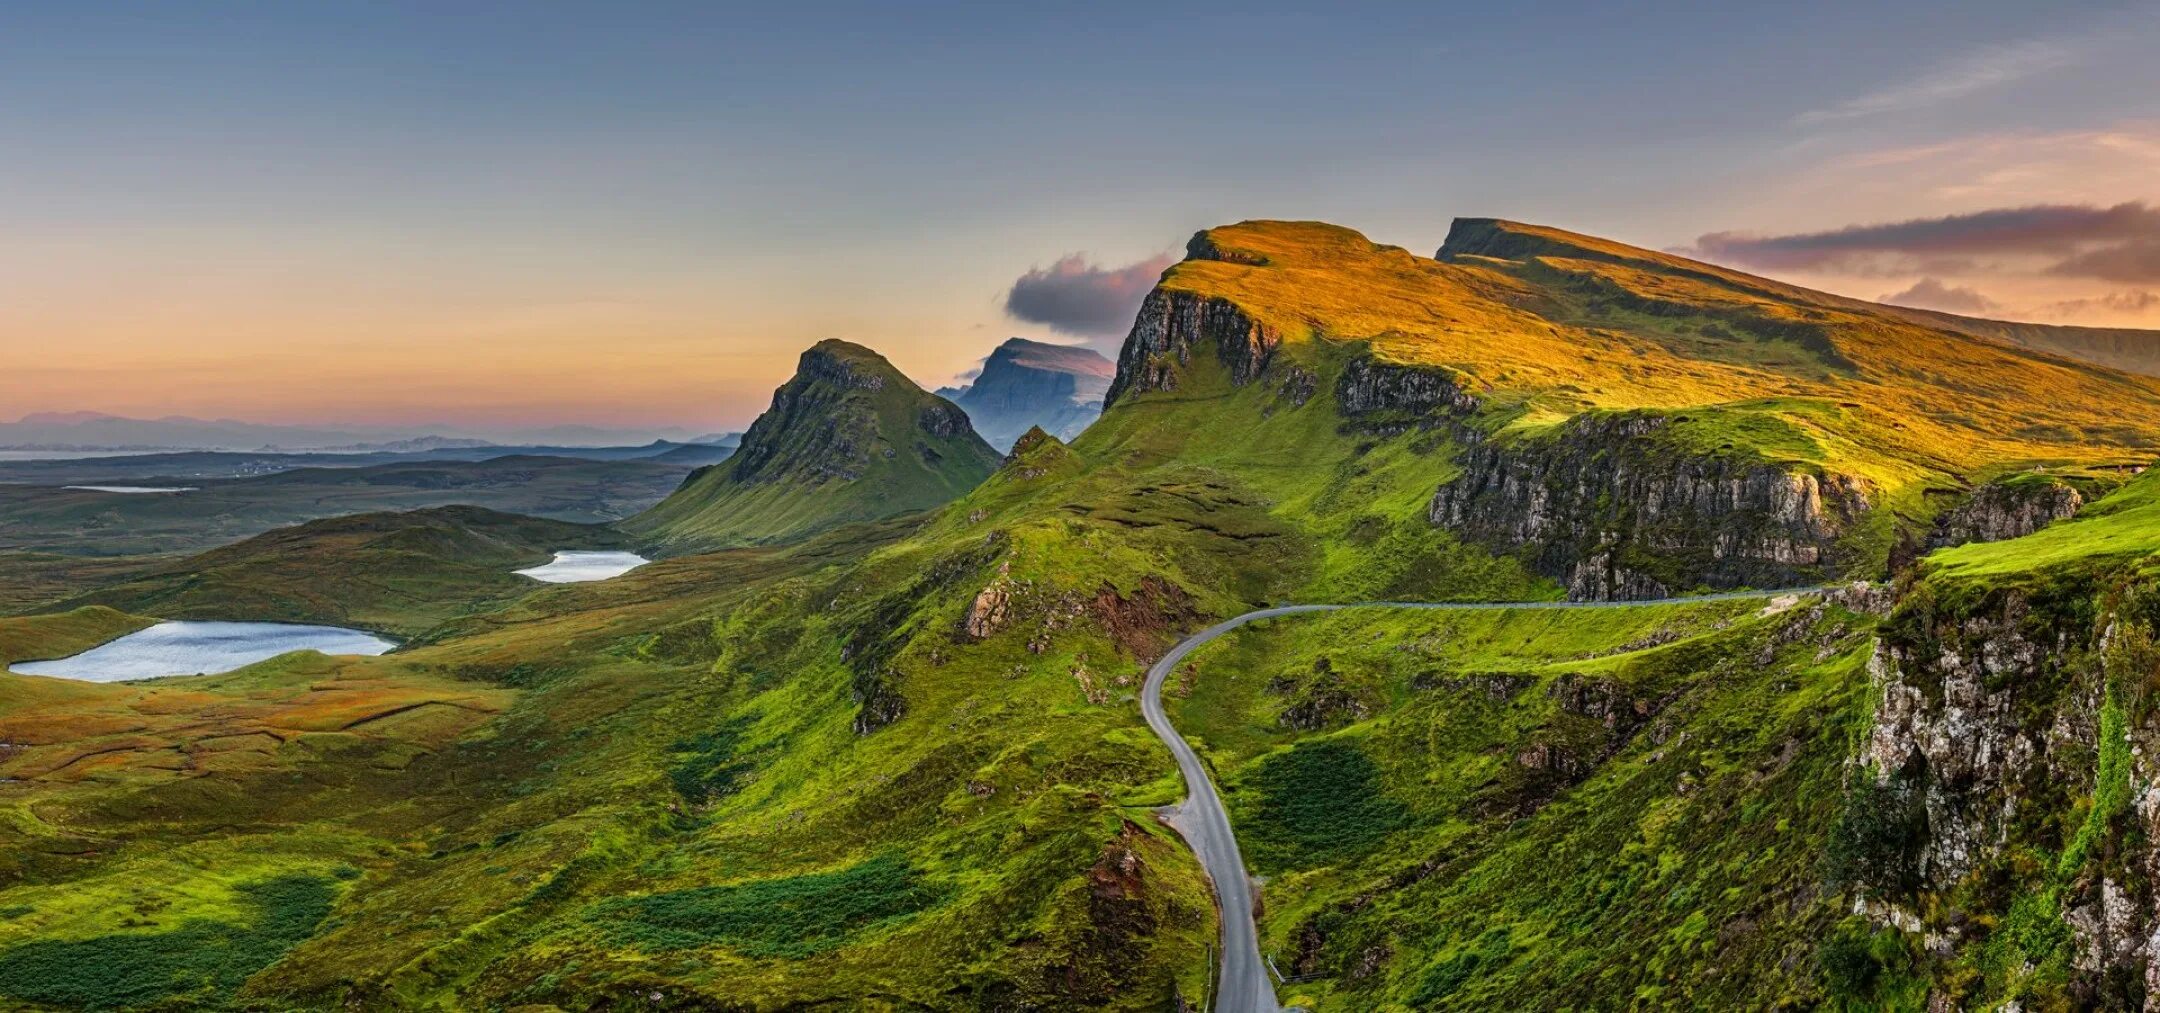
1243 985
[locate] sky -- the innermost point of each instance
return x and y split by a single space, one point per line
637 214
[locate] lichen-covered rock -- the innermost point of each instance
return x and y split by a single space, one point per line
943 418
1998 511
2011 714
1366 386
1937 715
1616 515
989 613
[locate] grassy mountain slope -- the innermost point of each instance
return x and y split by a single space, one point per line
1543 359
901 764
847 439
2133 349
399 573
1548 324
29 580
1460 811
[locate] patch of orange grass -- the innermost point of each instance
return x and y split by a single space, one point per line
166 730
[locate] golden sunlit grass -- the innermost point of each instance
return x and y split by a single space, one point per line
69 731
1560 323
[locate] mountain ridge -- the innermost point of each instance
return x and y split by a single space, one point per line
847 438
904 761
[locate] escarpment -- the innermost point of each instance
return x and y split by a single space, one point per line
1603 506
1171 324
2012 754
1614 514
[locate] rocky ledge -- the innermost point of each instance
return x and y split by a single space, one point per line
1998 511
1614 514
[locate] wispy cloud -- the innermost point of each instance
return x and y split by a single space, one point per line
2074 231
2042 261
1987 68
2136 262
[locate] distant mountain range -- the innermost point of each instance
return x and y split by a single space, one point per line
1025 384
90 431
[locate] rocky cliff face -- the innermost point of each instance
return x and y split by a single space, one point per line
1171 325
2003 510
1605 508
2015 746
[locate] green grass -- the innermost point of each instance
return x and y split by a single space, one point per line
2122 526
1666 860
63 634
201 961
790 917
400 573
848 439
791 776
1317 803
708 766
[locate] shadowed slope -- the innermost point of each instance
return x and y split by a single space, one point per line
847 439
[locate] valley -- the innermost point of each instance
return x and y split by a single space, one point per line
874 714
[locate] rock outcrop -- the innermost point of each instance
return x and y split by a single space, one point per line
1368 386
1172 324
2009 718
1998 511
1605 508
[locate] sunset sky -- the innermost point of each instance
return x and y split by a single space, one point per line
638 213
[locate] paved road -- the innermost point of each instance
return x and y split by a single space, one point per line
1244 985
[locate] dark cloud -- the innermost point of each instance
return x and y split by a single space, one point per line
2048 230
1932 294
2137 262
1084 299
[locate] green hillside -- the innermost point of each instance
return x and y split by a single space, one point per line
847 439
398 573
870 737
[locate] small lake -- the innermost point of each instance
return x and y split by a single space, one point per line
131 490
576 567
200 648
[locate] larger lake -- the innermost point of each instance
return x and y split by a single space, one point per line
200 648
